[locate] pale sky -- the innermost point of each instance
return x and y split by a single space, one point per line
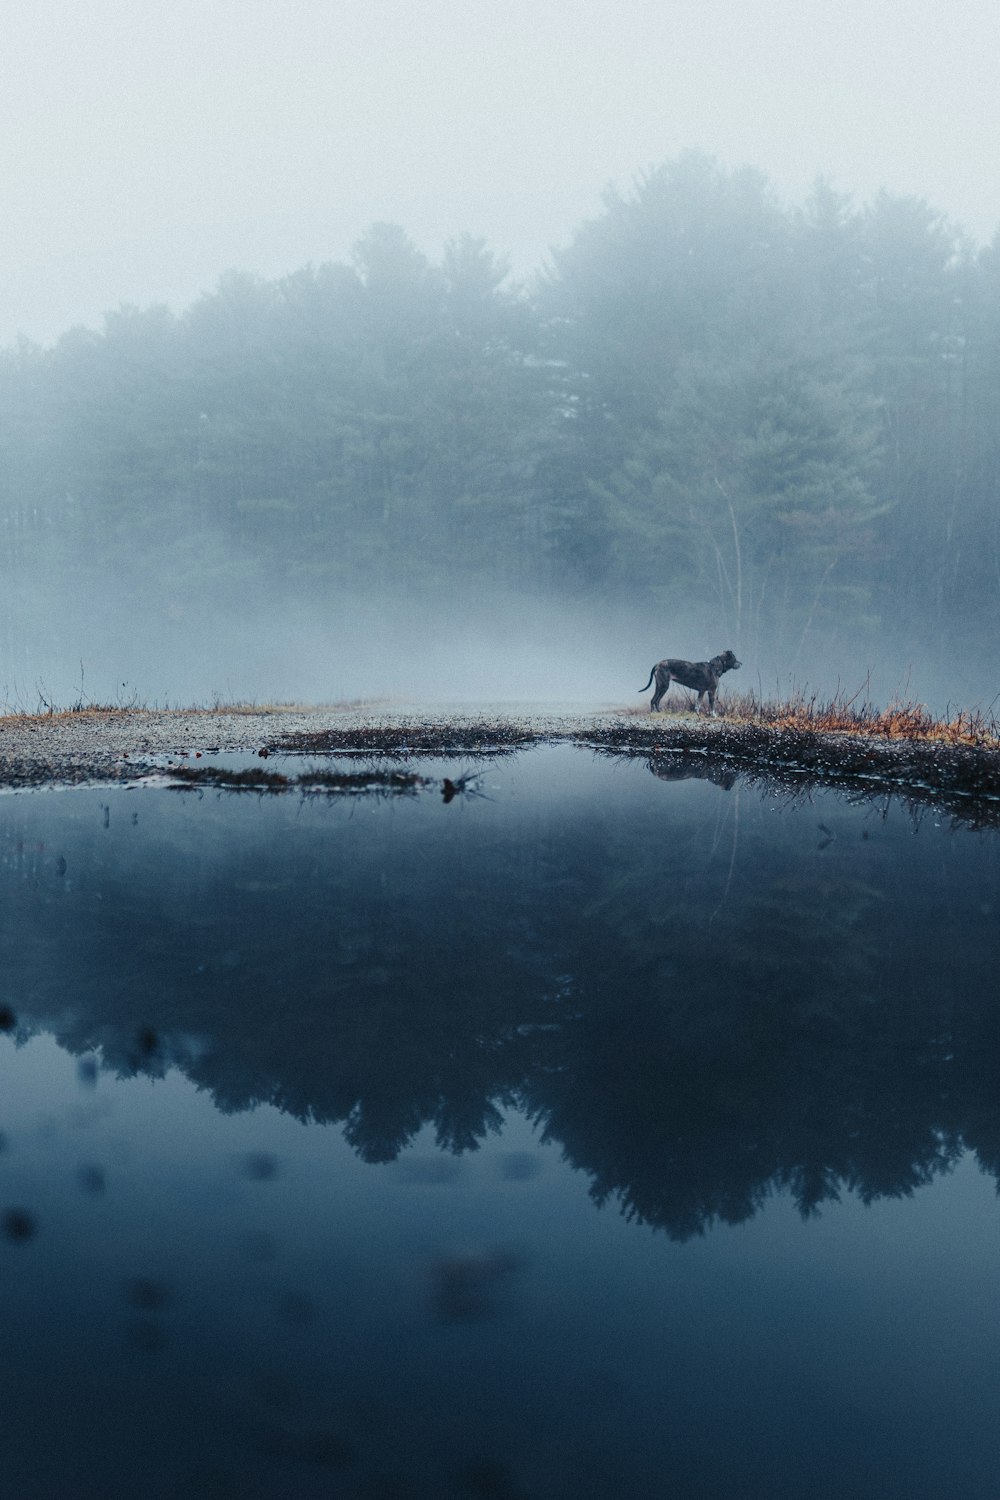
145 148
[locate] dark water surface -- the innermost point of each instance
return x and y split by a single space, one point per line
601 1135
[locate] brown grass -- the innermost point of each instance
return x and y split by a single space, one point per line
975 728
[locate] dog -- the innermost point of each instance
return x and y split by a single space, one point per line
701 676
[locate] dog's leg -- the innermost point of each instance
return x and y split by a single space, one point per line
662 683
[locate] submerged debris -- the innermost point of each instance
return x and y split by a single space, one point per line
462 786
18 1225
318 780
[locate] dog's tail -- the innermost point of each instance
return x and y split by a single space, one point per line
648 684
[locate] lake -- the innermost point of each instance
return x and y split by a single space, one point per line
590 1133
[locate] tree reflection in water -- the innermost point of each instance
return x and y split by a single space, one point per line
700 993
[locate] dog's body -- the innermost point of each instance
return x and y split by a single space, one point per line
701 676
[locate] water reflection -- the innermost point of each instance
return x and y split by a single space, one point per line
702 999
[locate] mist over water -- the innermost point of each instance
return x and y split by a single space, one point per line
349 647
464 647
503 649
123 643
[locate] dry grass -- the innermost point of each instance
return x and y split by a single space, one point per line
975 728
951 763
82 712
252 706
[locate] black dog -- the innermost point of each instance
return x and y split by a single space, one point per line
701 676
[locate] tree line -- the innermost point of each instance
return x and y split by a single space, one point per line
783 419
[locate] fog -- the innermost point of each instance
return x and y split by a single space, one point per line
355 647
145 149
436 351
399 652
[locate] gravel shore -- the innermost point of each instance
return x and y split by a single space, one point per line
126 745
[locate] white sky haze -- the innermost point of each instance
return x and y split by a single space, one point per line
147 148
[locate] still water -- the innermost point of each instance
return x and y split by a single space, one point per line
600 1134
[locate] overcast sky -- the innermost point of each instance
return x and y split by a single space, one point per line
146 147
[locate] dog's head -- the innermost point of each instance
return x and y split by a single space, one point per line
727 662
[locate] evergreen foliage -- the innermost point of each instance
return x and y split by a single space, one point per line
784 418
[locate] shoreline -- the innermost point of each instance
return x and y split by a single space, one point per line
130 746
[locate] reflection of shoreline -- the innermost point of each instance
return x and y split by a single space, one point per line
974 809
865 776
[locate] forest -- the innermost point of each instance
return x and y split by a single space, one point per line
775 423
